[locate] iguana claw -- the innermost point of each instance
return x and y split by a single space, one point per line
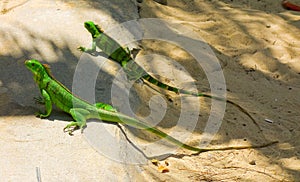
72 127
39 100
81 48
40 115
69 129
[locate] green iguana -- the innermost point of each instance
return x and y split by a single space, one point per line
53 92
122 55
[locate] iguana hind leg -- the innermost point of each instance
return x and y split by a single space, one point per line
104 106
79 115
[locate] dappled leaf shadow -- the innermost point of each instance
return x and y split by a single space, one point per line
20 88
236 43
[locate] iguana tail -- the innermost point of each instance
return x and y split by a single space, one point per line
182 91
129 121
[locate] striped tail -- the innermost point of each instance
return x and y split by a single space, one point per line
153 81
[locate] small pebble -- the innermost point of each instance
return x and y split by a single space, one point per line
252 162
163 2
269 121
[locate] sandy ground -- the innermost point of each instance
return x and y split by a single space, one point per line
256 43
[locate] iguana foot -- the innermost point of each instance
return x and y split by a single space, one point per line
84 49
40 115
139 81
70 128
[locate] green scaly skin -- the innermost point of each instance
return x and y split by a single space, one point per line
122 55
107 44
53 92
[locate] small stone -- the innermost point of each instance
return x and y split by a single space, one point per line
252 162
163 2
163 169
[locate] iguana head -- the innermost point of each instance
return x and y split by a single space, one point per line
34 66
38 69
93 28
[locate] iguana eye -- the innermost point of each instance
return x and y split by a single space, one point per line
32 64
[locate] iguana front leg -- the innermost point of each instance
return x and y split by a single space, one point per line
89 50
48 104
79 115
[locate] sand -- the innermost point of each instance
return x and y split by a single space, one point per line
256 43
